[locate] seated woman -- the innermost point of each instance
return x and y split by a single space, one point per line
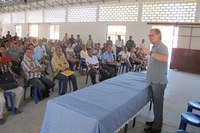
60 64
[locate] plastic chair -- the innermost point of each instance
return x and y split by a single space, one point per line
87 76
189 118
181 131
26 85
121 68
10 96
60 85
193 105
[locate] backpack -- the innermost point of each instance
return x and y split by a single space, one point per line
7 78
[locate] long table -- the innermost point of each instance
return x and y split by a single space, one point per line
100 108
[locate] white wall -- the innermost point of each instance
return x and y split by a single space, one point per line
98 30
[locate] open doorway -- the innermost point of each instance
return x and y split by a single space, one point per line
169 38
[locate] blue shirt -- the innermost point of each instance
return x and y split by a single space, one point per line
157 70
36 56
108 56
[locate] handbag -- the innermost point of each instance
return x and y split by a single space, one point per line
7 78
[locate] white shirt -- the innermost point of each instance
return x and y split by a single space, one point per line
119 43
91 60
41 50
125 55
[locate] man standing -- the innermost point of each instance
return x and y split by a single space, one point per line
119 44
90 42
130 43
157 76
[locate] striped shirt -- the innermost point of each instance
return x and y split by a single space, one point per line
28 65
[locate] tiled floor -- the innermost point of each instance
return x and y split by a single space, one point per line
181 88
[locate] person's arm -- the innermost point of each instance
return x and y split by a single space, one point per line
159 57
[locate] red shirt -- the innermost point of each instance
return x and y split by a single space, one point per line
5 60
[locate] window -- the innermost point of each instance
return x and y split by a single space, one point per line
115 30
33 30
18 30
54 32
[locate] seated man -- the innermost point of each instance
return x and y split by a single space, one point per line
32 70
15 58
5 59
60 64
40 48
71 57
8 83
83 55
93 66
124 56
18 93
108 62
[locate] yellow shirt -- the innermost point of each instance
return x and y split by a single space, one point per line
83 54
59 64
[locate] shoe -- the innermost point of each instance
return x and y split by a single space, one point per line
17 111
62 93
151 130
46 73
2 121
149 123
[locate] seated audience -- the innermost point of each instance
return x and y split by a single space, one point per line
83 55
134 60
124 56
15 58
71 57
60 64
93 66
97 50
17 97
32 70
43 54
108 62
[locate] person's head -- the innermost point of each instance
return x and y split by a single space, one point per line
29 53
89 51
90 36
108 37
125 49
130 37
59 51
143 41
72 36
83 47
78 36
132 50
31 46
119 37
155 36
66 34
3 50
40 42
109 48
